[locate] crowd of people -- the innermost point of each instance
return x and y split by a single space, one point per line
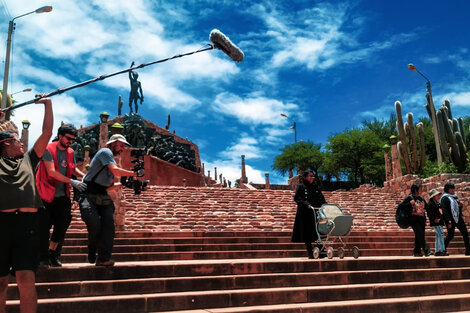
442 211
36 198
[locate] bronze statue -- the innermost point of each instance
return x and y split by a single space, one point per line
135 88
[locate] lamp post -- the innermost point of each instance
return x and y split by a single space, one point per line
25 134
103 138
24 90
432 110
11 27
294 126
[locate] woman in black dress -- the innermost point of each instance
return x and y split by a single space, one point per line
307 196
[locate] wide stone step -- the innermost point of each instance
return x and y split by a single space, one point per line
187 268
231 253
232 247
149 302
436 303
231 282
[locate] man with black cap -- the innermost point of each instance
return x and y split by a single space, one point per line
452 211
96 207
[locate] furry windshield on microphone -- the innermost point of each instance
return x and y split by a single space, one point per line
223 43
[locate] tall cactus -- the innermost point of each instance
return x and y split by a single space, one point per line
9 104
452 136
410 158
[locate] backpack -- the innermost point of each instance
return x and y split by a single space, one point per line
402 216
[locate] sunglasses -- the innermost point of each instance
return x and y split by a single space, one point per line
69 138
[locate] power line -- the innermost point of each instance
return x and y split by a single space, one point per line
5 9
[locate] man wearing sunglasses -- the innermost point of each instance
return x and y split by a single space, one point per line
53 178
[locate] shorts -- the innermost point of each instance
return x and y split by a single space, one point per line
19 242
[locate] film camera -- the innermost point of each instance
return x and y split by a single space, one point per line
130 182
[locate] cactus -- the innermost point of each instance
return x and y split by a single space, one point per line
413 164
452 136
9 104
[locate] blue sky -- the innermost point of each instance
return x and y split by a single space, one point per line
326 64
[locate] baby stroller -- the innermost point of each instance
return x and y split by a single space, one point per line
332 222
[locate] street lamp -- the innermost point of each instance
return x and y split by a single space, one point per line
26 124
11 27
432 109
104 117
294 126
24 90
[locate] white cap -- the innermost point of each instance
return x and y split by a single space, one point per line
117 137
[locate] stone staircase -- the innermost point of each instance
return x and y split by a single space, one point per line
251 272
223 250
166 208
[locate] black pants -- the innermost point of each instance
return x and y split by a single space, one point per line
463 230
58 214
418 223
99 221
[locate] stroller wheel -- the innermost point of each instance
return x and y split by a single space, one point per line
355 251
316 253
329 252
341 252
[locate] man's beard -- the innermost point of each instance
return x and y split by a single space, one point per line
65 146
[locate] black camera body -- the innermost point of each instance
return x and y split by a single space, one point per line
137 185
130 182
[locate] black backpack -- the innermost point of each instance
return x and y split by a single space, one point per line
402 216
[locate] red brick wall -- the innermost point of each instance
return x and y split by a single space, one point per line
163 173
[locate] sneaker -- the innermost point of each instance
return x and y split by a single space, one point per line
43 264
428 253
105 263
417 254
439 253
467 252
445 253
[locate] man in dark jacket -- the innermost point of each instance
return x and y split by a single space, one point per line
452 211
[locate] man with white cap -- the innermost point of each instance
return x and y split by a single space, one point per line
96 207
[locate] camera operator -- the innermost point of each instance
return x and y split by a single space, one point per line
96 206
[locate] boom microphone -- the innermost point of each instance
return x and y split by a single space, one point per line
223 43
220 41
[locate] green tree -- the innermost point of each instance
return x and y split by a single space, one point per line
359 153
330 167
300 156
382 128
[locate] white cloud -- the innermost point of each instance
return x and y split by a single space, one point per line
91 40
246 145
258 110
459 98
65 109
318 38
277 136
